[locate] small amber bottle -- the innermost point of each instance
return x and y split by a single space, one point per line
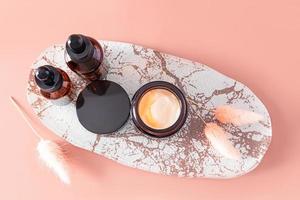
84 56
53 82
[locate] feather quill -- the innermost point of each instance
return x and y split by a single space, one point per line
227 114
50 152
218 139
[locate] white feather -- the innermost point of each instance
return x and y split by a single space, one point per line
52 155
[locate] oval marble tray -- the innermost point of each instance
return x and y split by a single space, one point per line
187 153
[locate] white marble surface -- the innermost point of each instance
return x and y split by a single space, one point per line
187 153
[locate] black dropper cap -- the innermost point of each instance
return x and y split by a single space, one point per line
76 43
48 78
79 48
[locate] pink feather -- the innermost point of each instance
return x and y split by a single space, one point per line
218 139
227 114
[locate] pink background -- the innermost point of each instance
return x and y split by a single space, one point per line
256 42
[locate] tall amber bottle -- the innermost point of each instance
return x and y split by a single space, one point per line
84 56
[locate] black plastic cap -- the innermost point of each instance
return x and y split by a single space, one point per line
103 107
79 48
76 43
48 78
44 74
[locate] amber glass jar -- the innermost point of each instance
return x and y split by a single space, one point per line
159 109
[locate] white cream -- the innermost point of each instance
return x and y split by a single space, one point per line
159 108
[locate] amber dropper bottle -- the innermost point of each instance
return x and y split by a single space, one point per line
84 56
53 82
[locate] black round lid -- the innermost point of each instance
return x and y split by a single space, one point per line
48 78
103 107
79 48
